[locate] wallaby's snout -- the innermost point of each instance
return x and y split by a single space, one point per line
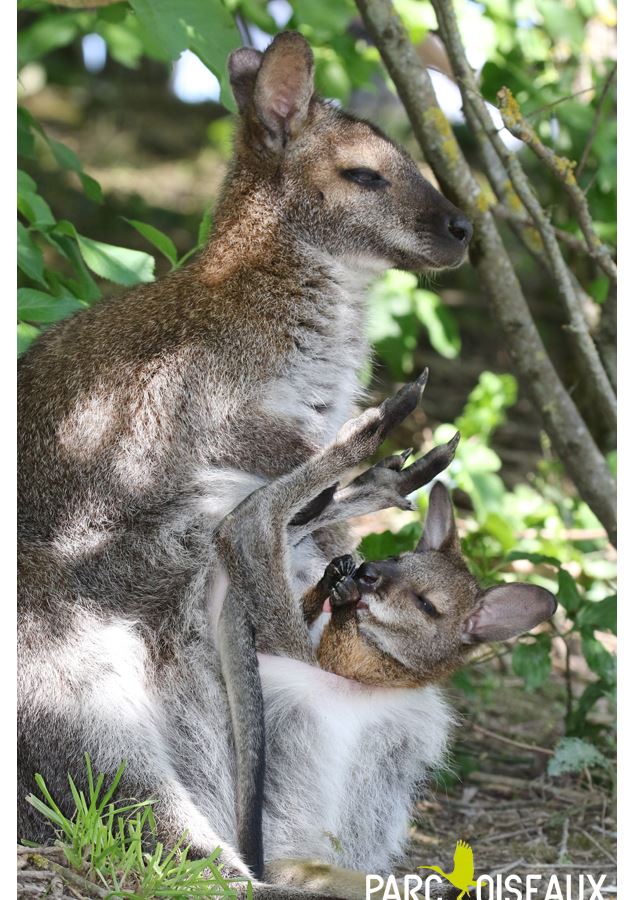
338 183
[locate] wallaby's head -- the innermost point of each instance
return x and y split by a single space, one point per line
419 615
339 183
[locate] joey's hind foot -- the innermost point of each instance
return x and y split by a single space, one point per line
363 435
390 483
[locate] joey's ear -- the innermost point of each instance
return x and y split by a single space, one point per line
508 610
243 65
439 531
284 87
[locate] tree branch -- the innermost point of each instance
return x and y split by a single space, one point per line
562 168
562 420
596 122
598 385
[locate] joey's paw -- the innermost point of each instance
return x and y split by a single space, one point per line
338 569
345 593
342 589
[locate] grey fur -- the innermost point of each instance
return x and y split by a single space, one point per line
147 419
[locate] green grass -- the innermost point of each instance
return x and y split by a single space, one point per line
107 842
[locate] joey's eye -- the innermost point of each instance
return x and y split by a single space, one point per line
366 178
426 606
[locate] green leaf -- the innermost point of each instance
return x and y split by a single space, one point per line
439 323
568 594
572 754
532 661
30 258
600 615
35 210
119 264
537 559
48 32
37 306
26 335
68 159
26 140
205 227
179 24
157 238
82 284
25 183
389 543
599 660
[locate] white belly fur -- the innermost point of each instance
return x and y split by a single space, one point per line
343 763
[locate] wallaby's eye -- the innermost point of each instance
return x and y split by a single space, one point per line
429 608
366 178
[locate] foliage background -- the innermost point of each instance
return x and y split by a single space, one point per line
116 186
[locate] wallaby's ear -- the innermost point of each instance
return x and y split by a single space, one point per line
284 87
439 531
243 65
508 610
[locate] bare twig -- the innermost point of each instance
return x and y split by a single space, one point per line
564 843
563 169
510 215
596 122
598 385
610 855
506 740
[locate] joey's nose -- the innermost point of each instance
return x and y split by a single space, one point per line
368 575
460 228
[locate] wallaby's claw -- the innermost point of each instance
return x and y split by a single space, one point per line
397 408
338 580
428 467
397 462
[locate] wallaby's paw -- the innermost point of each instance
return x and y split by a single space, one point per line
318 877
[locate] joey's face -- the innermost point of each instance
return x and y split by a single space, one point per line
413 619
339 182
414 608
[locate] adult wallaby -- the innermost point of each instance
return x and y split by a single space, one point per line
145 420
348 743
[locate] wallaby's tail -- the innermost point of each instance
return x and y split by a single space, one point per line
239 663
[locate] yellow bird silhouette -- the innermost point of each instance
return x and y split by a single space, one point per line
462 875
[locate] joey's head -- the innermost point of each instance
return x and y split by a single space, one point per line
337 182
419 616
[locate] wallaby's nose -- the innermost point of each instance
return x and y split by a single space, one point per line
460 228
368 575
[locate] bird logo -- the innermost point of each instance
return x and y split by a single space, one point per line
462 875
